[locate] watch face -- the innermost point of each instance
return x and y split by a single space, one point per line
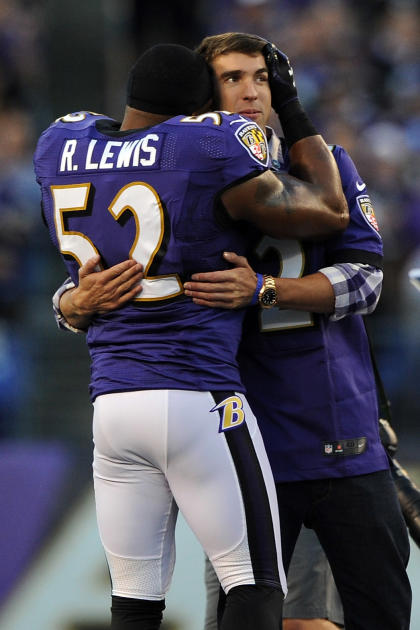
269 297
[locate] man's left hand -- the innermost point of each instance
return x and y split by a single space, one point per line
231 288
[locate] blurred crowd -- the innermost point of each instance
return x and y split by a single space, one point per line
357 68
20 86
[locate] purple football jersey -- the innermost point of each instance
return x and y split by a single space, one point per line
151 195
309 380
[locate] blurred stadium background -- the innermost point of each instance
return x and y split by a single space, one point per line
357 66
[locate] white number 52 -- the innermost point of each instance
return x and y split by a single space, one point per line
143 202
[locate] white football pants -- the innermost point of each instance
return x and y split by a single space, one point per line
160 450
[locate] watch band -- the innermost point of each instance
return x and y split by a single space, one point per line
260 282
268 295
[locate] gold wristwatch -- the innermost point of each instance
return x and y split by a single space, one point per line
267 297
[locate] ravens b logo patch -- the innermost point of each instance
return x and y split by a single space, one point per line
253 139
231 413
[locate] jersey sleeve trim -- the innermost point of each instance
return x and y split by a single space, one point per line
221 215
361 256
245 178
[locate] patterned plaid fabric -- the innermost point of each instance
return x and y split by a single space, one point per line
357 288
59 317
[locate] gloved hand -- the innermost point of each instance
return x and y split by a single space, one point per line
284 98
280 76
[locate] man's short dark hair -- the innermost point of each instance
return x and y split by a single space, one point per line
169 79
225 43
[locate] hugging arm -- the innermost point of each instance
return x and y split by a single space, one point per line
97 292
325 291
283 206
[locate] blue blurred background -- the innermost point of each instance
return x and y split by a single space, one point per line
357 67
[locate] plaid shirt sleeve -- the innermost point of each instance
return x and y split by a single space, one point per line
357 288
62 323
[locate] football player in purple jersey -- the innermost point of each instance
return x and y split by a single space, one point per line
172 428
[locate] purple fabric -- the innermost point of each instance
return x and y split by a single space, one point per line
31 480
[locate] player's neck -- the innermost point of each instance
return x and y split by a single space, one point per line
137 119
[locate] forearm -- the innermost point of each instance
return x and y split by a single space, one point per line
283 206
72 311
97 292
312 161
312 293
340 290
310 158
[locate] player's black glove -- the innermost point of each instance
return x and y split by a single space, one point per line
407 491
284 98
280 76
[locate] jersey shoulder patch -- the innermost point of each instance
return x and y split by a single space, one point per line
254 141
366 208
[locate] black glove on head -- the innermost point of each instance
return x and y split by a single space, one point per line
284 98
280 76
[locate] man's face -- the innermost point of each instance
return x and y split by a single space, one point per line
242 85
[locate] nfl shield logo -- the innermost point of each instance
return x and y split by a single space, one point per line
328 448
